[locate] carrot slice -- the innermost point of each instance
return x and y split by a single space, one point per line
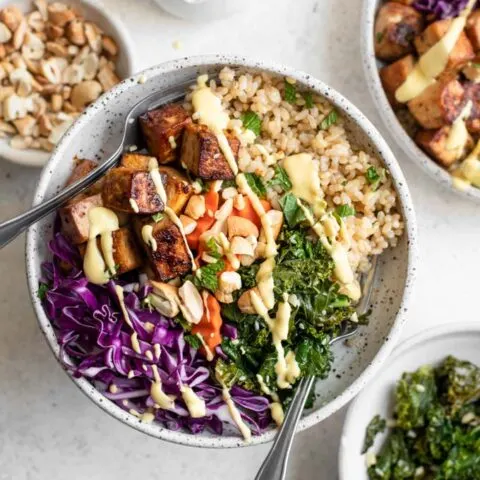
212 200
249 212
210 324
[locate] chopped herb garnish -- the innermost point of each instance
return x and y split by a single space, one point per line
157 217
345 211
256 184
291 210
251 121
42 291
374 176
379 36
290 92
329 120
377 425
229 183
212 248
308 97
281 179
193 341
206 277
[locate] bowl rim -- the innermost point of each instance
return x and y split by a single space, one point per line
403 140
218 61
39 158
422 337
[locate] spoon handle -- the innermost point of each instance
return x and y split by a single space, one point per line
10 229
275 465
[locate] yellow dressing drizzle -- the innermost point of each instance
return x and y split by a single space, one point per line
209 354
195 404
469 169
265 283
458 136
433 62
158 395
148 238
134 205
235 414
210 112
123 308
277 413
99 267
303 173
135 343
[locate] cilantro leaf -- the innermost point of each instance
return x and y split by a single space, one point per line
329 120
374 176
291 210
42 291
345 210
157 217
308 97
290 92
377 425
193 341
206 277
251 121
281 179
212 248
256 184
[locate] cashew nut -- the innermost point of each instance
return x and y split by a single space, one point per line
84 93
165 299
239 226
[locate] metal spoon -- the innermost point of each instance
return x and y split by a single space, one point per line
10 229
274 466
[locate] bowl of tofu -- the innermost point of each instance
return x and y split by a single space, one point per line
423 73
171 144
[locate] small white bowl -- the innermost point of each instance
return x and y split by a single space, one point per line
371 67
96 134
94 11
429 347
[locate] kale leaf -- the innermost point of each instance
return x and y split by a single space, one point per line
377 425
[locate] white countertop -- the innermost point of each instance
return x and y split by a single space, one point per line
48 430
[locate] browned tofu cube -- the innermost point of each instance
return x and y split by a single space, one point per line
132 191
170 258
201 154
461 53
82 168
434 142
439 104
126 253
163 129
74 217
393 76
136 161
473 29
472 94
395 28
177 188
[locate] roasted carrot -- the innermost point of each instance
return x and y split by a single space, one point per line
212 199
210 324
249 212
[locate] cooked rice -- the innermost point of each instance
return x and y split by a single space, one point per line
289 129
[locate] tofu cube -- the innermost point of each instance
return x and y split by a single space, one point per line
126 254
82 168
461 53
434 143
394 75
131 191
170 259
201 154
439 104
177 188
472 94
163 129
473 29
395 28
74 217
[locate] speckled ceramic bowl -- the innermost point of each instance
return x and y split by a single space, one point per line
96 134
371 67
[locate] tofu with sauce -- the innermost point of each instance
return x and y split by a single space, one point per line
461 54
177 186
394 75
163 130
472 29
395 28
131 191
74 217
434 143
472 94
439 104
170 258
126 254
201 154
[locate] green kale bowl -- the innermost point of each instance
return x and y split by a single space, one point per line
97 132
422 421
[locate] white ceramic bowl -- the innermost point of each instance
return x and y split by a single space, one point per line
96 134
428 347
371 67
108 22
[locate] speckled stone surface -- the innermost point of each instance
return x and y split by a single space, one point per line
49 431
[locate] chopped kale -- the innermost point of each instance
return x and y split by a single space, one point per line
42 291
293 213
281 179
377 425
157 217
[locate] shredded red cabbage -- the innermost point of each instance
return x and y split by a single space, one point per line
94 336
441 9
